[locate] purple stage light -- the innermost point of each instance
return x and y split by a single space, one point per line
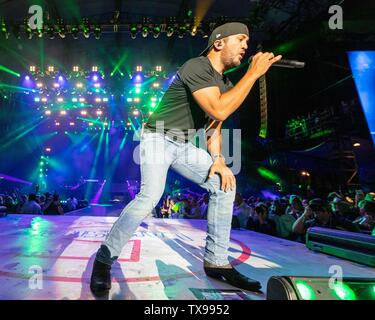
95 78
61 78
27 78
14 179
138 78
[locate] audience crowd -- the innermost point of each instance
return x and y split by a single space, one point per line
286 217
35 203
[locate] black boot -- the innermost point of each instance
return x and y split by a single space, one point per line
100 278
233 277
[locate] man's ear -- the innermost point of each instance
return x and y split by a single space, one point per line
219 44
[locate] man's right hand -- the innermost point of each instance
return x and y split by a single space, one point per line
261 62
308 214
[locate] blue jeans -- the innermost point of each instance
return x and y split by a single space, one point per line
157 154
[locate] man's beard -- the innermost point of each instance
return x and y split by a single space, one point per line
230 62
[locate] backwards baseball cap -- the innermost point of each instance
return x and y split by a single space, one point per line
223 31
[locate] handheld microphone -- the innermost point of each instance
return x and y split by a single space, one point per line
284 63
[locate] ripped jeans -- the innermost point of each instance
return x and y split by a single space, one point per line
158 153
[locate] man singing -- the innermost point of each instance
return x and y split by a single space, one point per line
200 97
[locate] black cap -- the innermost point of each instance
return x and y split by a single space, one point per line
223 31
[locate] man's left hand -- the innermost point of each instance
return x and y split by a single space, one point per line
228 181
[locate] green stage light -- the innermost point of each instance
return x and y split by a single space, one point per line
344 292
306 292
137 90
5 69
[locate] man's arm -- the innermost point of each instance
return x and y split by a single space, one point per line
221 106
214 140
299 224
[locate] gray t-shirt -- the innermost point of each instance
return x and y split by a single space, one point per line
178 111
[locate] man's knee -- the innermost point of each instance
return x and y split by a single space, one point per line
150 198
215 187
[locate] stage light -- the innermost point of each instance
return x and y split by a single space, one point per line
145 30
129 99
75 68
57 124
105 99
51 31
98 100
91 124
94 69
153 99
135 112
61 78
181 31
4 30
51 68
28 29
82 99
105 123
357 144
44 99
59 99
32 68
156 31
170 31
37 99
158 68
128 124
138 78
48 112
150 113
97 85
84 112
193 31
156 84
133 31
71 124
56 85
74 31
74 99
79 85
97 31
99 112
39 84
348 199
153 104
136 100
95 78
16 31
137 90
63 112
27 78
61 29
86 28
139 68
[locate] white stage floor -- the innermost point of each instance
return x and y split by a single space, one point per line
163 260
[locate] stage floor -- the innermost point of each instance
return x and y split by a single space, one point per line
50 257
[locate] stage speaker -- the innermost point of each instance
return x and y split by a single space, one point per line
320 288
347 245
